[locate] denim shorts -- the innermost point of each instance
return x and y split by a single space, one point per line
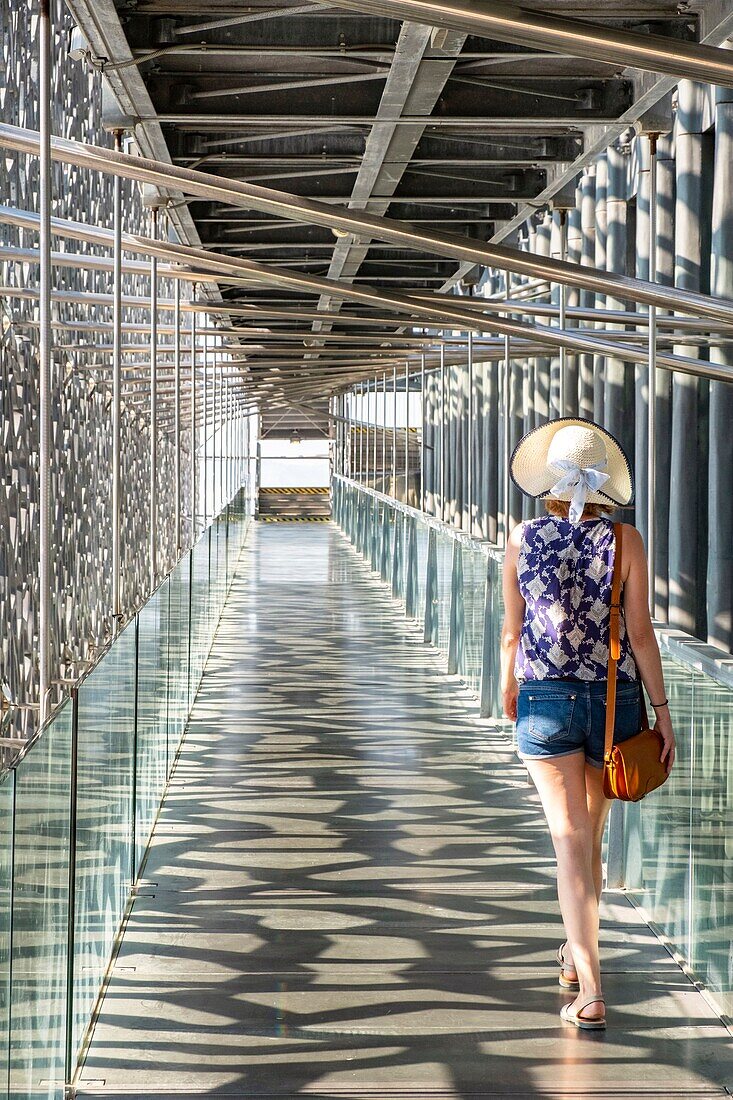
559 717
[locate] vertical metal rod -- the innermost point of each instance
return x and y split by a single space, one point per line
219 434
422 432
116 392
336 403
352 438
375 425
346 464
394 432
407 426
44 362
152 522
562 380
225 446
177 412
224 437
214 421
365 418
360 422
194 478
652 370
205 474
384 432
507 436
469 487
443 421
230 436
344 429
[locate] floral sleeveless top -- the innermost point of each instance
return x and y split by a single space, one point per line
565 572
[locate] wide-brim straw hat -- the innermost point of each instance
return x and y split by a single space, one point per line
577 440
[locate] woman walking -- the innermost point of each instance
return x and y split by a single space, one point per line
555 651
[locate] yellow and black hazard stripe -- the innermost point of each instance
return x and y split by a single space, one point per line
293 519
306 490
356 428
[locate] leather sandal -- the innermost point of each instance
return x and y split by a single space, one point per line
588 1023
566 983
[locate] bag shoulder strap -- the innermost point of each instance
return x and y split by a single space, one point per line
614 643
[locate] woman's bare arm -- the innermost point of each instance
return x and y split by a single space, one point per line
513 618
641 634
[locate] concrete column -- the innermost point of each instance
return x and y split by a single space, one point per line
556 253
529 368
720 474
572 362
618 376
687 505
599 366
587 299
666 191
543 364
490 452
429 441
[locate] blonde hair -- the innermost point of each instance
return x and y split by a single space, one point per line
561 508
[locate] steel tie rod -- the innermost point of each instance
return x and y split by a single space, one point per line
558 34
370 226
441 314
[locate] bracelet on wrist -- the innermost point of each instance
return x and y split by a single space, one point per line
658 706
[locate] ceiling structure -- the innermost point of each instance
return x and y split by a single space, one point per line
428 125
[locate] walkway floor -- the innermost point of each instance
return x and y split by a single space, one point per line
351 892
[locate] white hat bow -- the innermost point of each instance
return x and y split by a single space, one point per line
580 480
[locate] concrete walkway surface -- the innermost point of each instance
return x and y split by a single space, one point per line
350 891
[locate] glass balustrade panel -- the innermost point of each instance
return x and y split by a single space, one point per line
443 580
178 632
40 914
152 715
657 841
7 783
711 845
474 599
421 539
104 818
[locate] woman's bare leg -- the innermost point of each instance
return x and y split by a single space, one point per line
598 807
561 784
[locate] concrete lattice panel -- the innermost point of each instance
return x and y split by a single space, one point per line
82 429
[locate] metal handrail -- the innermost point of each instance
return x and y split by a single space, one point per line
489 549
685 648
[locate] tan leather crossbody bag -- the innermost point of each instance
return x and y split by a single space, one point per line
633 768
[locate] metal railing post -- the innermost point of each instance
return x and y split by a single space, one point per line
422 432
470 434
177 413
365 424
194 478
360 422
407 426
215 420
652 379
394 432
384 432
44 361
374 456
116 393
443 421
152 513
205 474
506 434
